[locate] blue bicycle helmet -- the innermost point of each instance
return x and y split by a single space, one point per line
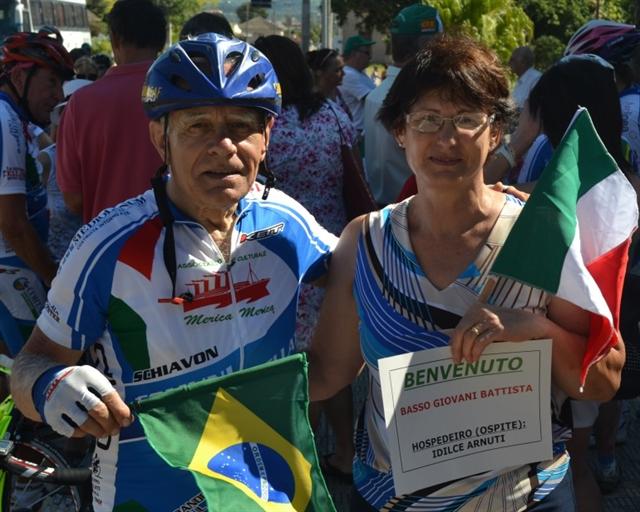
210 70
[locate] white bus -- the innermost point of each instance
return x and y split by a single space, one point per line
68 16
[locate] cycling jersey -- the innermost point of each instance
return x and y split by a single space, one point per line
112 297
18 170
630 108
21 292
535 160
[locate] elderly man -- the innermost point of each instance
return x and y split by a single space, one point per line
197 277
521 63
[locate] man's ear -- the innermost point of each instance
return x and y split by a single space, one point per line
267 133
18 77
156 134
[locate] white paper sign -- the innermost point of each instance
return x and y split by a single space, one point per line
446 421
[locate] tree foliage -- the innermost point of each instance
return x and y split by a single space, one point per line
555 21
561 18
247 11
177 12
500 24
548 49
99 8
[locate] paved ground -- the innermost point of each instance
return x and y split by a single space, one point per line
625 499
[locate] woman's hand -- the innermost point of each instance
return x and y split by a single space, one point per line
511 190
483 324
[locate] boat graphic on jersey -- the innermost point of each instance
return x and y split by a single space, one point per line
219 290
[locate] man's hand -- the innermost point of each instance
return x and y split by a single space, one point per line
79 400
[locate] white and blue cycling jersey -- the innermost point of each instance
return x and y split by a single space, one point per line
22 294
19 172
112 298
535 160
630 108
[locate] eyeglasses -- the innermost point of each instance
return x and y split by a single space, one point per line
428 122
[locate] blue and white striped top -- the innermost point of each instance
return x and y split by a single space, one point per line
401 311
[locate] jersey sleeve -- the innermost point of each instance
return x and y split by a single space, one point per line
75 314
315 256
307 246
68 164
13 172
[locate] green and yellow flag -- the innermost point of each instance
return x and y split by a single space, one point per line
246 438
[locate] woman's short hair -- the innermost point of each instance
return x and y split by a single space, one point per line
574 81
461 70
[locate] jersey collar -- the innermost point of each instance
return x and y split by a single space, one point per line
634 89
5 97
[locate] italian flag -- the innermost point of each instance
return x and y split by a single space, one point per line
572 237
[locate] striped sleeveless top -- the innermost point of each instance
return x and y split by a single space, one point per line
401 311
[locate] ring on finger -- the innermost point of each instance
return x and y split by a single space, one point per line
475 330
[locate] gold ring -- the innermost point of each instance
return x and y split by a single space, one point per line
475 331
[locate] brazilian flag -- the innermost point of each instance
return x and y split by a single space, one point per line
246 438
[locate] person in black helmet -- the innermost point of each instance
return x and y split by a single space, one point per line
33 67
195 278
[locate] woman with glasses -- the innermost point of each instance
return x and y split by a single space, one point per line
401 276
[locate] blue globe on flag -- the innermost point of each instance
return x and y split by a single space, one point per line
260 468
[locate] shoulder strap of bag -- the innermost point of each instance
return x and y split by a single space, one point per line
343 138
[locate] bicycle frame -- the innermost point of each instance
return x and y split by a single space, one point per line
6 411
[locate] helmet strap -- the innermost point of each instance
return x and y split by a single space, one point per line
23 101
268 174
159 186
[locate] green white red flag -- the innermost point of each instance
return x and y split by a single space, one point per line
572 237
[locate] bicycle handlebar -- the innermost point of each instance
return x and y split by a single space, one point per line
32 471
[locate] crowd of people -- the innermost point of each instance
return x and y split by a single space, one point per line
136 200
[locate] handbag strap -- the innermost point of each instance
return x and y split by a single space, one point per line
343 138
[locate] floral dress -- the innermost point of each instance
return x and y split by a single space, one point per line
305 157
